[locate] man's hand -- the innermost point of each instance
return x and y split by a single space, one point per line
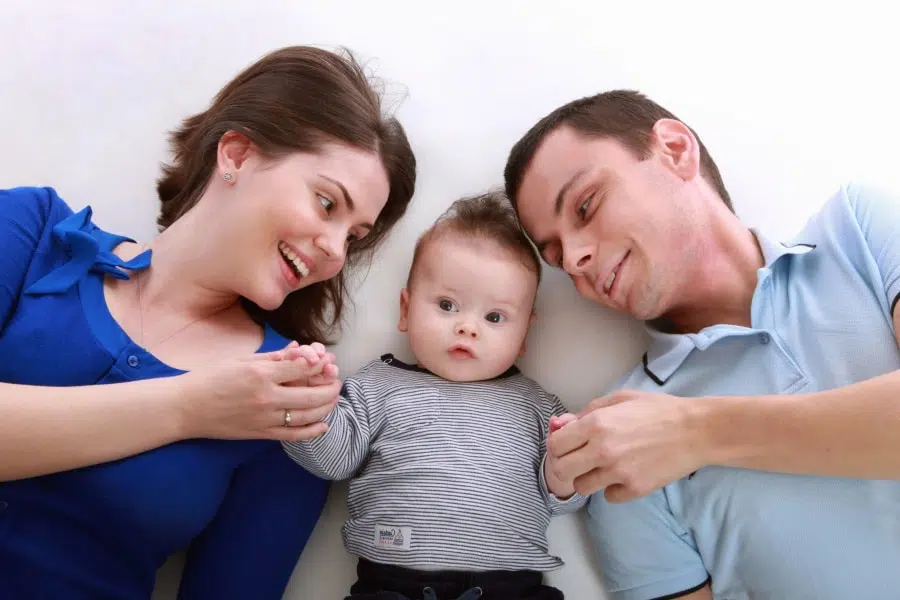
628 444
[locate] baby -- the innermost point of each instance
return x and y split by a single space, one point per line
450 496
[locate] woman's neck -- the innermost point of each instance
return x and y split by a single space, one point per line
186 272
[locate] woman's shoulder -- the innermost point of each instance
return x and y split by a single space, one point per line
33 207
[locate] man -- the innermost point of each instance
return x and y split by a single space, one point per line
755 452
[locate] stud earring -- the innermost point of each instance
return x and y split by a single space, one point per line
228 177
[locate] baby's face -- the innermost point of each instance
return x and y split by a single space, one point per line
468 309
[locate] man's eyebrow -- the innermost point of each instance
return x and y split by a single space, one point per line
348 199
561 195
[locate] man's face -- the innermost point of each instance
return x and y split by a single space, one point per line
621 227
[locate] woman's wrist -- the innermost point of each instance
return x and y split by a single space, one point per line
175 396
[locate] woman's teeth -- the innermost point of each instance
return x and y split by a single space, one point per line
293 260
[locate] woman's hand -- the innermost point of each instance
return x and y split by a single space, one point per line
249 398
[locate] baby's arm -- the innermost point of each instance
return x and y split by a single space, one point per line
560 494
339 452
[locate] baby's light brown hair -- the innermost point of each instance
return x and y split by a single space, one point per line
488 217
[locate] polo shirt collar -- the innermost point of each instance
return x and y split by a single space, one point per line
668 351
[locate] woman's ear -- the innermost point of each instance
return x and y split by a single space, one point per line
678 147
234 150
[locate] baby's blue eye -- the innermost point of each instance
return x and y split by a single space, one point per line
447 305
494 317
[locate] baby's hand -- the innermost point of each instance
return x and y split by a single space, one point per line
325 369
558 487
557 423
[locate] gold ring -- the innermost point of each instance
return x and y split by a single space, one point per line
287 417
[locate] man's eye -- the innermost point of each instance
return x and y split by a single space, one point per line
583 208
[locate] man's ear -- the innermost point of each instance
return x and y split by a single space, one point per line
531 321
678 147
403 325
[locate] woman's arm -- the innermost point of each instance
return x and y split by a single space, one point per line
50 429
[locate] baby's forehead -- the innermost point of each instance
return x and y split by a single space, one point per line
454 246
476 264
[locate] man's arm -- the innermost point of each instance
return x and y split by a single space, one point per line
853 431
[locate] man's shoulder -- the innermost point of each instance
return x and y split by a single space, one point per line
853 205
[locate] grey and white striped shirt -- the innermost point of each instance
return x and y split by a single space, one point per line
445 475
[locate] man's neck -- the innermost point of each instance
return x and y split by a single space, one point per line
722 281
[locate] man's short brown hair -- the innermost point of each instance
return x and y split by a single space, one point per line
623 115
488 216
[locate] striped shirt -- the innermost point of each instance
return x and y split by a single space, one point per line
445 475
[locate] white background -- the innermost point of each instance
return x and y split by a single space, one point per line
790 98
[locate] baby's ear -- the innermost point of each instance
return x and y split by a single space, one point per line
404 310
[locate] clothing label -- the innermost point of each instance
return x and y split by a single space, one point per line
388 536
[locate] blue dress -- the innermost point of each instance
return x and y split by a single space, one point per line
242 509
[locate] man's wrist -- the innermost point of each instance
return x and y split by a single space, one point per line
712 431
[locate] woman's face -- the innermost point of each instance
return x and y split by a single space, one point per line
293 218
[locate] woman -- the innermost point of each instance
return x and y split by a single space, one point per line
146 386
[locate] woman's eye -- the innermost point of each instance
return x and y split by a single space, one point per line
494 317
326 203
447 305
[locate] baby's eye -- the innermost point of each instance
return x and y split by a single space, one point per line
447 305
494 317
325 202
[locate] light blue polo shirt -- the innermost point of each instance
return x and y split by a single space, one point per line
821 319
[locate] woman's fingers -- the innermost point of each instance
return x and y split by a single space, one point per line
297 434
303 397
301 418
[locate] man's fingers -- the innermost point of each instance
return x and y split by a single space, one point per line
603 402
617 493
595 480
577 463
569 438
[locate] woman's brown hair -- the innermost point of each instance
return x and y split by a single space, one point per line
293 100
